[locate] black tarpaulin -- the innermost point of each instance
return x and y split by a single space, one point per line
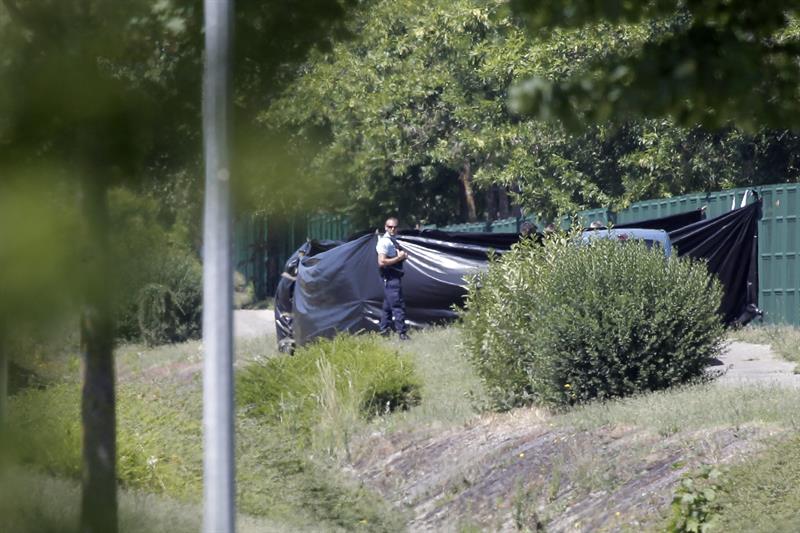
341 289
668 224
284 292
729 243
330 286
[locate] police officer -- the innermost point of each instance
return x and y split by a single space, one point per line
390 261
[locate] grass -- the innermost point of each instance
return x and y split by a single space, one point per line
37 503
159 439
763 494
451 391
691 408
285 485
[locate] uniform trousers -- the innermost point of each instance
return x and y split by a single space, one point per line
394 307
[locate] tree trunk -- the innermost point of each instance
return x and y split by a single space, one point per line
503 204
98 403
465 179
516 209
491 202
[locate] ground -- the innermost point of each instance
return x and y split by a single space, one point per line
520 470
443 466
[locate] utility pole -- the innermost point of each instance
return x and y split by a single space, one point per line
3 385
219 506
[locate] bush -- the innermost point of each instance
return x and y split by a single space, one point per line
157 444
565 323
244 294
160 286
326 376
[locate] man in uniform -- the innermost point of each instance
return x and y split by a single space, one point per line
390 262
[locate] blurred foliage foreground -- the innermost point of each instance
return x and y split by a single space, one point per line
325 391
157 277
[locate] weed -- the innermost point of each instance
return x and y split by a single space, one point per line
696 505
524 510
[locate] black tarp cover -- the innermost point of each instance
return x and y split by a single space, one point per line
338 287
669 223
729 243
341 290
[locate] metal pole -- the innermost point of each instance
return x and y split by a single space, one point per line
219 507
3 387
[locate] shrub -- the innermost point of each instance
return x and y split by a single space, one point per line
160 285
244 294
565 323
326 376
696 505
157 448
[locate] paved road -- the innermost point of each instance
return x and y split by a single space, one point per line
756 363
248 323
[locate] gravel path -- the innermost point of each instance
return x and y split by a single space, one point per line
741 363
249 323
755 363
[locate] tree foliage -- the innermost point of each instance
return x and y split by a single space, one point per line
721 61
95 94
418 98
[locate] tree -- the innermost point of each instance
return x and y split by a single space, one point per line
722 62
94 94
411 110
88 131
412 113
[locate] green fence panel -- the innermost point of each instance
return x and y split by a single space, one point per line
329 227
778 247
249 250
778 242
506 225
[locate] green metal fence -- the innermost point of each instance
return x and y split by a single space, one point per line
250 249
333 227
778 247
261 246
778 243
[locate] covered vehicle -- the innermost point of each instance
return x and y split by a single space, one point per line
650 237
335 286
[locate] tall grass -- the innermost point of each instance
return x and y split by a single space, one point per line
37 503
452 393
159 413
339 412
